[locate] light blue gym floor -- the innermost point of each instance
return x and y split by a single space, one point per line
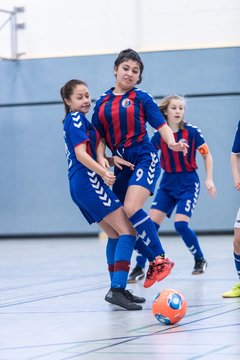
52 305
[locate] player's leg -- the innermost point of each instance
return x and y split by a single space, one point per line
113 238
186 195
191 241
145 254
154 272
139 187
118 294
235 291
137 272
135 199
95 202
120 188
112 241
135 188
99 204
236 248
134 202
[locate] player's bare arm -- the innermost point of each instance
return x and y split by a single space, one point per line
208 162
82 156
101 157
167 135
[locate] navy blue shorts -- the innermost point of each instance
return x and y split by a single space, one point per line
180 190
146 171
93 197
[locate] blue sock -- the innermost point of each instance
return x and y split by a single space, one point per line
147 231
237 263
110 254
144 250
190 238
122 259
140 259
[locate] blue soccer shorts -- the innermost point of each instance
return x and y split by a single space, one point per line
92 196
180 190
146 171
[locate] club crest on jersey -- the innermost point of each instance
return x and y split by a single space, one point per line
126 103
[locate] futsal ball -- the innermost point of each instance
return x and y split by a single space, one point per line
169 306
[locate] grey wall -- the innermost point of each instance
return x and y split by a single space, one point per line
34 194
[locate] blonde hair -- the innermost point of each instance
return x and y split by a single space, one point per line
164 103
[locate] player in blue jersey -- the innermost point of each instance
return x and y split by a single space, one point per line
235 164
179 186
121 115
88 182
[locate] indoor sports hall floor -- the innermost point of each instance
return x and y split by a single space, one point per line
52 305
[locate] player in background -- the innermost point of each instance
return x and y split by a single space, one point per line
235 163
121 115
88 182
179 186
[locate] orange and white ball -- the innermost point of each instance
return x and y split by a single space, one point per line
169 306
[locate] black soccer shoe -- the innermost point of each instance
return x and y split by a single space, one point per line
137 274
133 298
118 297
199 267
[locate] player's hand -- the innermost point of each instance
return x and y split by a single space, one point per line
103 162
179 146
211 188
237 184
119 162
109 178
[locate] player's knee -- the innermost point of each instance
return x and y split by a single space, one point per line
236 246
130 209
180 226
236 241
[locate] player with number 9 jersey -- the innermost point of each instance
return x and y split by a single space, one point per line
121 115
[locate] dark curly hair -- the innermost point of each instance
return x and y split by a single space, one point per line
130 54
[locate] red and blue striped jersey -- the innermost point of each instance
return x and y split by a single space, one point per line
176 162
236 142
122 119
78 130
